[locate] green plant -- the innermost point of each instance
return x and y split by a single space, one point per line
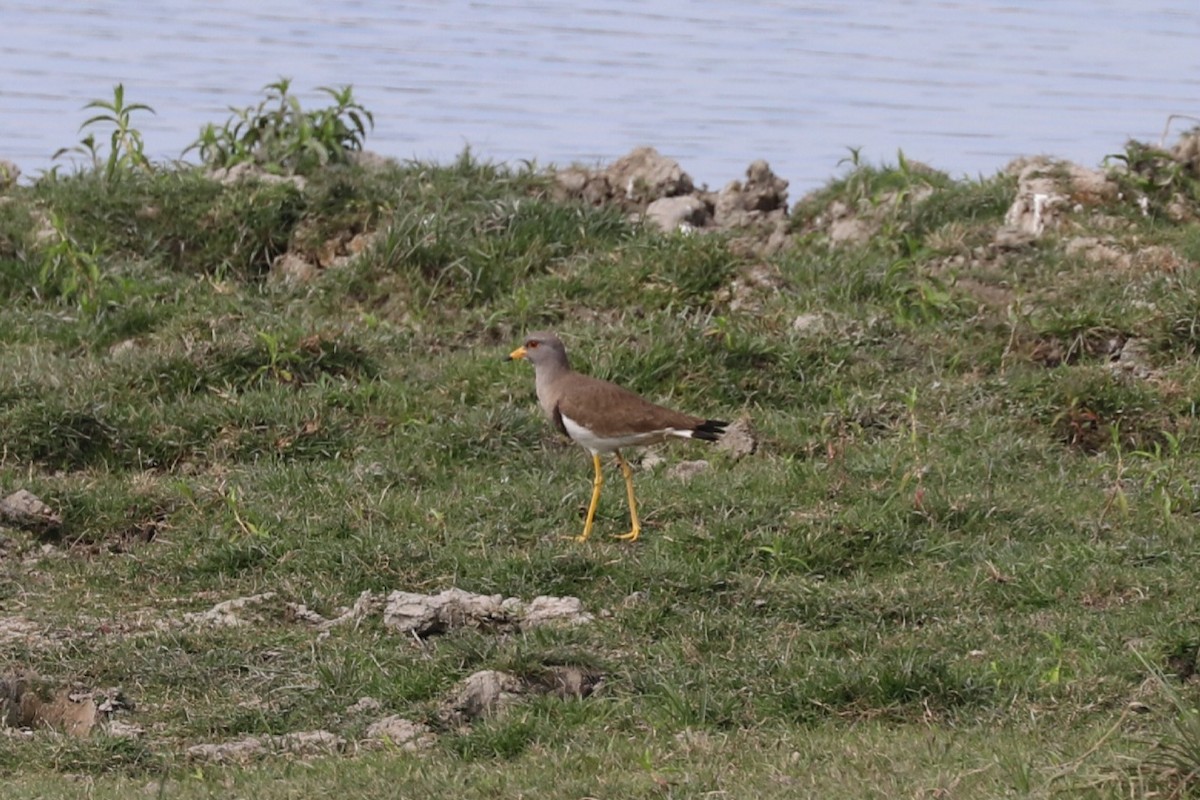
274 368
280 136
242 521
1161 480
69 271
918 298
1155 176
126 148
1175 753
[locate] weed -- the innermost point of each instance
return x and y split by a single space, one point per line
70 272
279 136
1174 755
126 151
1155 176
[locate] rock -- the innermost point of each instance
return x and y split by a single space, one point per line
1098 252
236 752
482 694
302 613
329 251
25 510
425 615
635 599
739 439
670 214
291 269
123 348
686 470
364 705
644 175
854 224
1046 188
1007 238
306 743
850 230
74 711
395 731
651 459
124 730
428 615
302 743
809 324
1133 359
229 613
545 609
572 180
44 232
73 714
1187 151
366 604
658 191
571 682
742 204
359 243
490 692
577 183
777 240
248 171
748 289
370 160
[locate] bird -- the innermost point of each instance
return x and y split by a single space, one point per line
603 417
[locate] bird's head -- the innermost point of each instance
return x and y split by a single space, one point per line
540 348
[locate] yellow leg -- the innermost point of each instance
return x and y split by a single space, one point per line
597 482
628 473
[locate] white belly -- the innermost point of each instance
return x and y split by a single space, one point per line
607 444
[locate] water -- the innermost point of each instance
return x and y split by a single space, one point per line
964 87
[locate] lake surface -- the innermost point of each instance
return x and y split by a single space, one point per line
964 87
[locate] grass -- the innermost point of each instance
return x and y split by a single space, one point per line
965 546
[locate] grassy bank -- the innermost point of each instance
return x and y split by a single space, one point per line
962 562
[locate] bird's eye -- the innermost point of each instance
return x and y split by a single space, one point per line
532 343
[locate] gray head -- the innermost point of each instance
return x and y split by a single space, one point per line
542 349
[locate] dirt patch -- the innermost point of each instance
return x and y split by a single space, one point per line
431 614
24 510
1048 189
739 439
409 613
656 190
302 744
490 692
395 731
232 613
633 181
28 703
19 629
482 695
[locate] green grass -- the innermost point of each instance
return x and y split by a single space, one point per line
951 566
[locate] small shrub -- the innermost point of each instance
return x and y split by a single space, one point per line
281 137
71 271
126 149
1156 175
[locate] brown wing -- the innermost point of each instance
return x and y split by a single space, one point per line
610 410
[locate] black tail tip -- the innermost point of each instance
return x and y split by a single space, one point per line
710 430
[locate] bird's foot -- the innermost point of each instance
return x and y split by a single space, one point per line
629 537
